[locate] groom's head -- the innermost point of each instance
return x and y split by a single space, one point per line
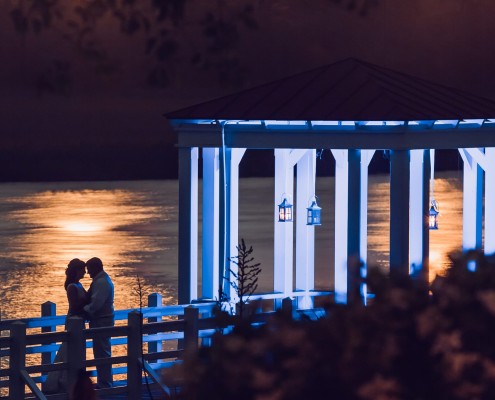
94 266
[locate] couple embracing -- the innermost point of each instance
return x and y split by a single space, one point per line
95 306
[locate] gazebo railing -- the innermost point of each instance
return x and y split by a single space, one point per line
165 341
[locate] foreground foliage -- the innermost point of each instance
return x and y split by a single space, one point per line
411 342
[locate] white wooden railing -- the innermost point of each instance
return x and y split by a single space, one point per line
168 331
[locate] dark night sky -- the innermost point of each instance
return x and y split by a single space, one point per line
111 128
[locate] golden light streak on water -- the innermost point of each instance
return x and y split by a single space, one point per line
256 225
448 238
81 227
49 225
132 227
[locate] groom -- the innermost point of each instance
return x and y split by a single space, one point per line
100 313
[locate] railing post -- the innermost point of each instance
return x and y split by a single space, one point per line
76 349
154 300
191 334
17 360
134 350
48 309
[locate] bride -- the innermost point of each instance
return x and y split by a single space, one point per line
56 381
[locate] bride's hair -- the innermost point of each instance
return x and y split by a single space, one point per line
72 270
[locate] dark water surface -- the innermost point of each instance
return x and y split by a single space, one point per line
132 227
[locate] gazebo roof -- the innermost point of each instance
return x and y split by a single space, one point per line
348 90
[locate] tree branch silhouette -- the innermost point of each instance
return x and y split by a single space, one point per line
174 33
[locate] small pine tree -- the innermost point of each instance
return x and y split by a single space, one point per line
245 279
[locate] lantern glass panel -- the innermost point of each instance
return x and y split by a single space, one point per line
316 217
433 218
314 212
285 211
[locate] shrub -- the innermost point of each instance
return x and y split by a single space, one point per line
411 342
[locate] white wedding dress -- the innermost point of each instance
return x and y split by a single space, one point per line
56 381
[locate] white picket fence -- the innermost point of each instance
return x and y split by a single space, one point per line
166 331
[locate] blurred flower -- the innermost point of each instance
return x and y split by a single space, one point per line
410 342
446 343
380 388
487 298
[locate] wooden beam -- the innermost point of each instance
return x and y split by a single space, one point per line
341 211
210 229
188 224
490 201
472 201
305 234
380 137
416 210
284 231
425 267
32 385
233 232
478 157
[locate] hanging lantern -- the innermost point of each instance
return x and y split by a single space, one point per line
433 217
314 213
285 210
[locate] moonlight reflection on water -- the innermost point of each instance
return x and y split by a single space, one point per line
46 225
132 227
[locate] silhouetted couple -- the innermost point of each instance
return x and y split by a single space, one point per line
95 306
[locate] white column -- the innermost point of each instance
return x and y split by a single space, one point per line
224 217
210 232
366 157
305 234
341 211
490 200
188 225
236 157
472 197
283 238
416 212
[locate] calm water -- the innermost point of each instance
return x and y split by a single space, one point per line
132 227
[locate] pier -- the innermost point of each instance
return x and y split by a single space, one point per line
156 344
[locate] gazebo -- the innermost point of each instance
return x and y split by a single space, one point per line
352 108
